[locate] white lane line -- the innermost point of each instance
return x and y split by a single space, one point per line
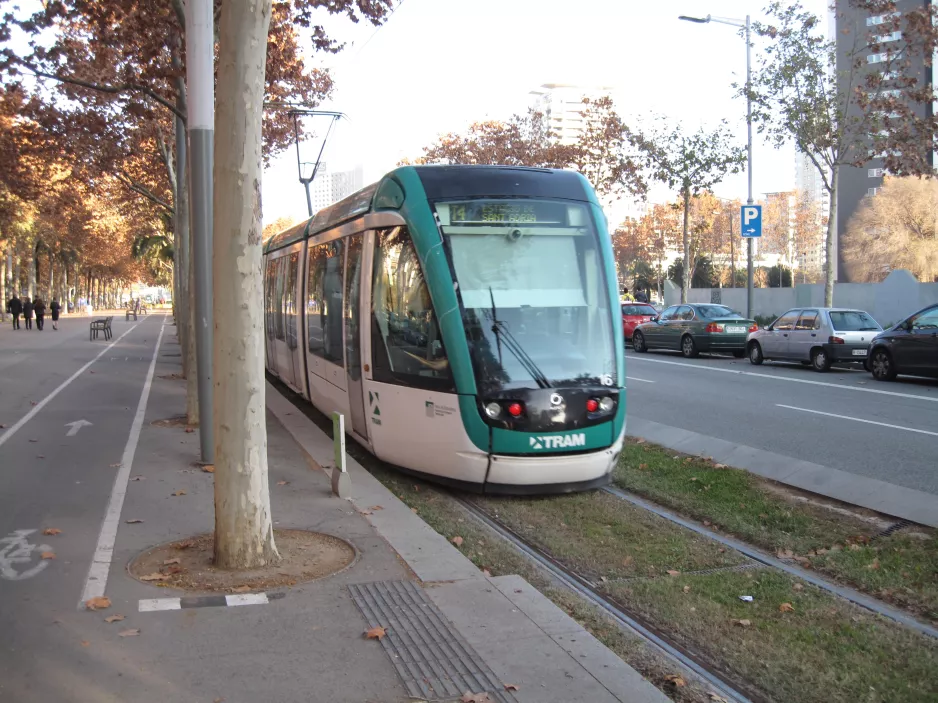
789 380
246 599
96 581
857 419
643 380
42 403
151 605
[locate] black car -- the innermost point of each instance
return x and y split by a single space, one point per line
911 347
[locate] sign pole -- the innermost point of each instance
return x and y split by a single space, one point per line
341 483
749 275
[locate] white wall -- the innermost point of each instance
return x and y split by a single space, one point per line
888 302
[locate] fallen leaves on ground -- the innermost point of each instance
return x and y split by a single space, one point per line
717 698
239 589
40 456
510 687
174 560
742 623
675 680
686 589
155 576
376 507
116 466
52 531
413 510
673 572
784 554
129 633
34 440
189 430
47 555
134 521
85 643
179 493
798 587
469 697
486 572
98 603
185 544
375 633
113 618
627 561
208 468
282 483
874 565
457 540
786 608
639 441
218 700
139 478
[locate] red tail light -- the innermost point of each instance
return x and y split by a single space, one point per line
515 409
592 405
754 327
714 327
835 340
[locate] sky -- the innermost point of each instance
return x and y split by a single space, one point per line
438 65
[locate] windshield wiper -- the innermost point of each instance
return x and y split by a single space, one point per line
501 330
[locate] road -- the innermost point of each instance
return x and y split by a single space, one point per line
67 406
842 419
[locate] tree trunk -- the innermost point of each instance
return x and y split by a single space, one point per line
829 252
688 272
3 287
32 271
243 531
191 363
51 277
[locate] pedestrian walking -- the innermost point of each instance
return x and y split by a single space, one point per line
28 312
55 308
15 308
39 307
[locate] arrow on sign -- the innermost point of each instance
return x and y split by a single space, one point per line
75 426
750 230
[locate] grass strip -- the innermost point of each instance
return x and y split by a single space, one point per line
901 568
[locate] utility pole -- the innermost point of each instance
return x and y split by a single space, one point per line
200 76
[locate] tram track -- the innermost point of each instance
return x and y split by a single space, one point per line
721 682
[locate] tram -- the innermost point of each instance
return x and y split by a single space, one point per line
465 321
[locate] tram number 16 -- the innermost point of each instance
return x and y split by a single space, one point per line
606 379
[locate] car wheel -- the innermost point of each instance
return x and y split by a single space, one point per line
755 354
638 342
688 348
739 353
820 360
881 366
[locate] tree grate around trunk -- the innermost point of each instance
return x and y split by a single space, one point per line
431 657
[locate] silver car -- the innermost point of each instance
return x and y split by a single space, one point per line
815 336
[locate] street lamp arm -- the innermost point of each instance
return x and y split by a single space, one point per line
698 20
727 20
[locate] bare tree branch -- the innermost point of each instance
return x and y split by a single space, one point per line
144 191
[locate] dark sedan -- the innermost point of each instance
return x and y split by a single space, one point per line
695 328
911 347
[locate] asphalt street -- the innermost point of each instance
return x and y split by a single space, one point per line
842 419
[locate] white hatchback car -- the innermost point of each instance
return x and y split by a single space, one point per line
816 336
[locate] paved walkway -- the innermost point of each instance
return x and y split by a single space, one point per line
451 629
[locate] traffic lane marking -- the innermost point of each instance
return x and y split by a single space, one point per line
152 605
96 581
857 419
771 377
642 380
61 387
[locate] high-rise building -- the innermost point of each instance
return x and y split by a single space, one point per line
815 198
562 107
853 25
329 188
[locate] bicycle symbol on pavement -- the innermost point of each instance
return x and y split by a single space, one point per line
16 549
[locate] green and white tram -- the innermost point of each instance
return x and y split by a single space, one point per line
465 321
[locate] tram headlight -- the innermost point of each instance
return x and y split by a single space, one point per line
493 410
606 404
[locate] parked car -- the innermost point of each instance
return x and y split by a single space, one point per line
634 314
695 328
815 336
911 347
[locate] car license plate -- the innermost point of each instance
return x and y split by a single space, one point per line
859 352
735 329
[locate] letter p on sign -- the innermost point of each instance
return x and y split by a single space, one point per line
750 220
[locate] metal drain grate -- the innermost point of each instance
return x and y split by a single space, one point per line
892 529
433 660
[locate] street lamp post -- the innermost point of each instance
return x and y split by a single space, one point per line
743 24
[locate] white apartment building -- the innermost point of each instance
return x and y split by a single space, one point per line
808 182
329 188
562 107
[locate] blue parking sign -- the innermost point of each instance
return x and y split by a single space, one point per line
750 220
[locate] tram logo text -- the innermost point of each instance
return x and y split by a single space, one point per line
558 441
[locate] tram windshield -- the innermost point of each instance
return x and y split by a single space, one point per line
531 279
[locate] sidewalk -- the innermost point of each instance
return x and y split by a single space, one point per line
450 628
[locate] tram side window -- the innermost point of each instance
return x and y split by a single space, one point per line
324 301
407 348
278 300
289 299
270 286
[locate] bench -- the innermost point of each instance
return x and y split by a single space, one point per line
101 325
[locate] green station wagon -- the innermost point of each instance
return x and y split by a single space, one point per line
695 328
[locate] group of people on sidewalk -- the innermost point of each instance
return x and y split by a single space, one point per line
27 308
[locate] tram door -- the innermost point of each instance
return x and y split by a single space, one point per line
355 311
